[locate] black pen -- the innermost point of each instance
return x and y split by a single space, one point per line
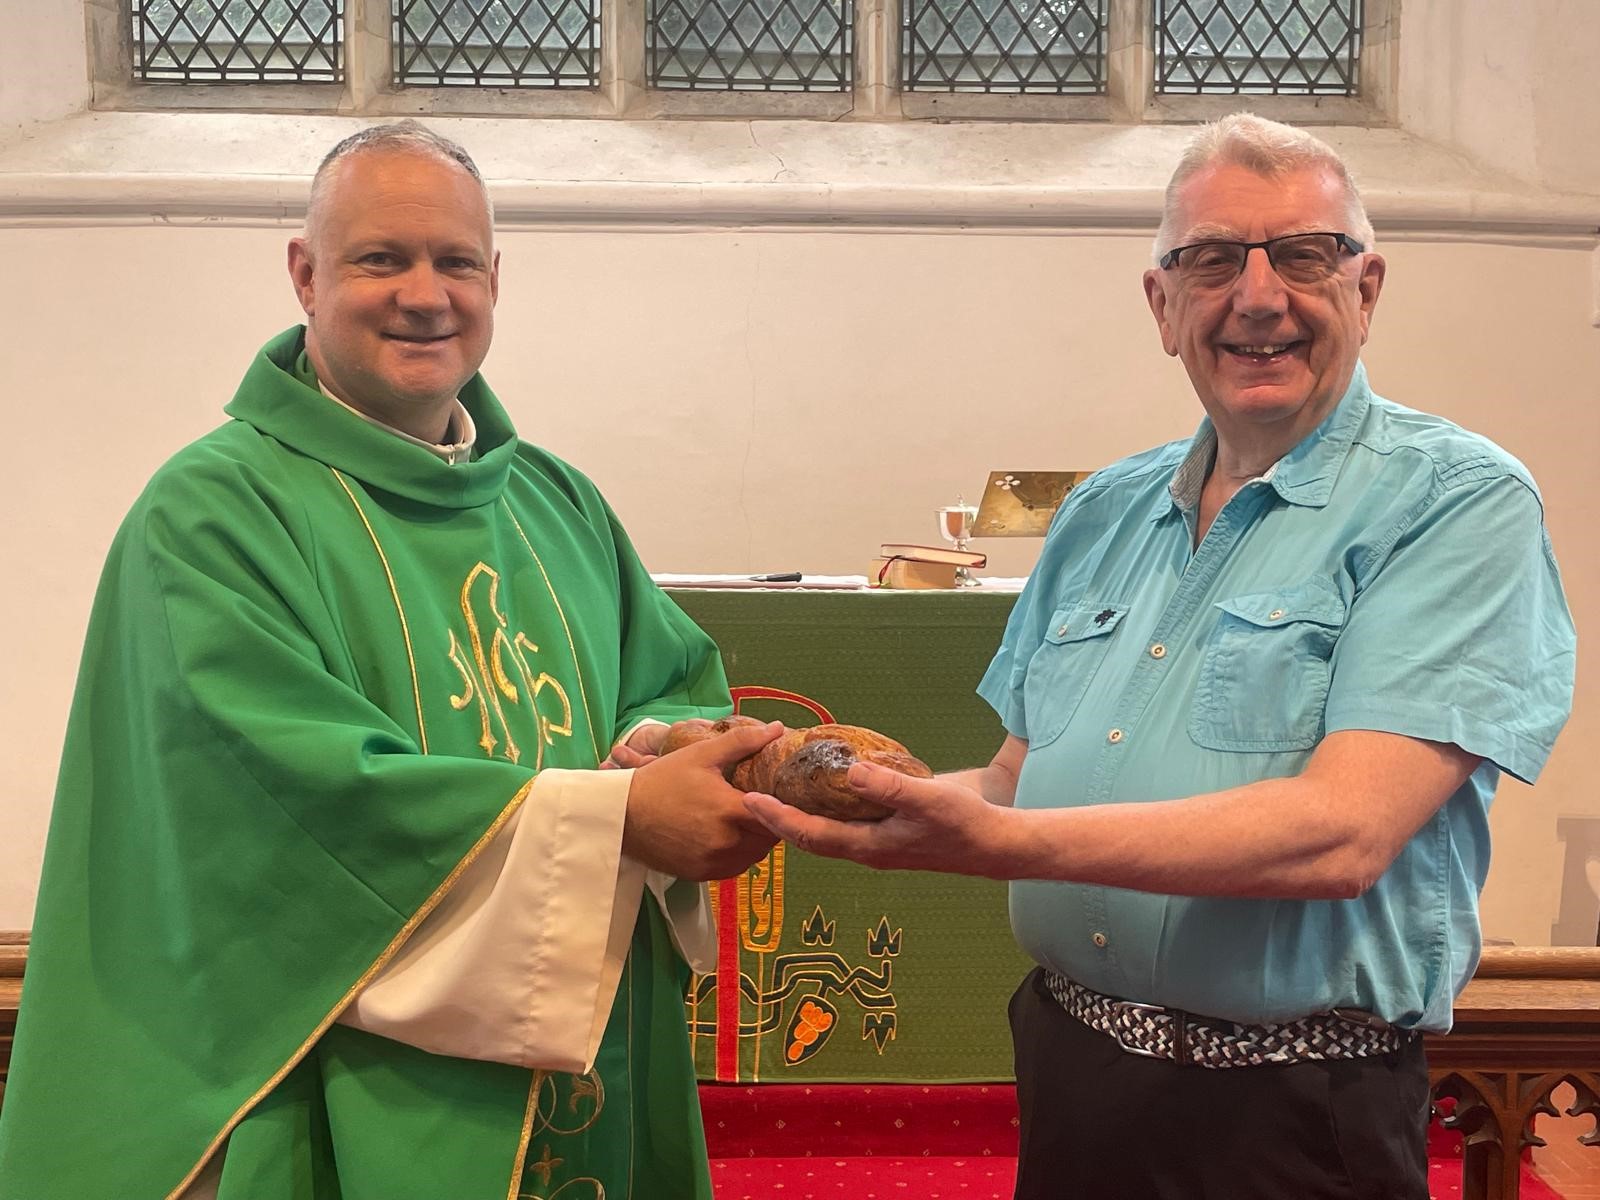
786 577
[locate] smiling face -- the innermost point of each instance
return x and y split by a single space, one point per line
398 279
1268 359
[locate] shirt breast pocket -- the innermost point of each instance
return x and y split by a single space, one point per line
1061 668
1264 680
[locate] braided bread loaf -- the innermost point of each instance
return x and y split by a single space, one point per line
807 767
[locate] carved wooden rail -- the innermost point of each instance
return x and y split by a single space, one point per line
13 956
1528 1022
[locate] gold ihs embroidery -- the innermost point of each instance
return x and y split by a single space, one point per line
486 680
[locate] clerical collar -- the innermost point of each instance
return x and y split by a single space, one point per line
457 450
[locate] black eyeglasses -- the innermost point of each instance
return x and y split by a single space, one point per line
1297 258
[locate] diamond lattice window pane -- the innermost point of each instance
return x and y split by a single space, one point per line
1049 46
751 45
496 43
1279 47
237 41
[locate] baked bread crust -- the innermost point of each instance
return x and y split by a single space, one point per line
807 768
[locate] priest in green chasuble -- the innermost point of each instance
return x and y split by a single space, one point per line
337 902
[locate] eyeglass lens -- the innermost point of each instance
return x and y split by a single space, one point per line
1299 258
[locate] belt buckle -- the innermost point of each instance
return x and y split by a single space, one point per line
1356 1016
1155 1009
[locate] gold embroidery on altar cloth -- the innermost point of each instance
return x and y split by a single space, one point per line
761 903
802 999
487 680
761 922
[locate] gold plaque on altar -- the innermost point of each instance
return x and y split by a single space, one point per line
1021 503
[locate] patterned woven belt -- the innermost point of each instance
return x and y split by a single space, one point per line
1185 1038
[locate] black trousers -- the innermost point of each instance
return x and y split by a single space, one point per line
1099 1123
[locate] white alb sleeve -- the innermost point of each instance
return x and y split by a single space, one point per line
519 962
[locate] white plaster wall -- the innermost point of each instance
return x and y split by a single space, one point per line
1508 82
752 401
44 72
759 401
1565 52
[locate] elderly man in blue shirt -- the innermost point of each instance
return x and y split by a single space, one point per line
1258 692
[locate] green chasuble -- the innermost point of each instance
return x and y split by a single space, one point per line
322 670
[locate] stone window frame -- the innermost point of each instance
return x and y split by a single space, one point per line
622 92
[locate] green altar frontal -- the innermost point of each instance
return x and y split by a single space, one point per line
828 971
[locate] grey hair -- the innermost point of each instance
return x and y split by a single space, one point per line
395 137
1269 148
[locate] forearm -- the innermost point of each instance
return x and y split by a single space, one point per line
1280 838
1327 833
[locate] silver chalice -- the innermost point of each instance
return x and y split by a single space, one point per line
955 527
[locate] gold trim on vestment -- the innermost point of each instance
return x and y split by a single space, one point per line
583 692
405 630
694 1019
389 952
519 1168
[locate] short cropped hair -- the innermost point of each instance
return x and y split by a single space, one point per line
397 137
1268 148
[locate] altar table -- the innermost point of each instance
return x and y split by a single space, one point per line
829 971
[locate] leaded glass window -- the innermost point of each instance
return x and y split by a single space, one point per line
1278 47
751 45
237 41
1035 46
496 43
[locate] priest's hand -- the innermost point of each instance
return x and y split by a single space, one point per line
644 744
684 817
936 825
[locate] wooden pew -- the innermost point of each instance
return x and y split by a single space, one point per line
1528 1021
13 957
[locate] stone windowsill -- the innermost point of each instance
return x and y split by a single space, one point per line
254 168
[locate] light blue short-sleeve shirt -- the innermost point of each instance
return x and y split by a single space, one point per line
1392 572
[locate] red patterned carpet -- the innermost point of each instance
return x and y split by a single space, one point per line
888 1142
861 1142
863 1178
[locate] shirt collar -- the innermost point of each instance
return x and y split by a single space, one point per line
457 449
1304 476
